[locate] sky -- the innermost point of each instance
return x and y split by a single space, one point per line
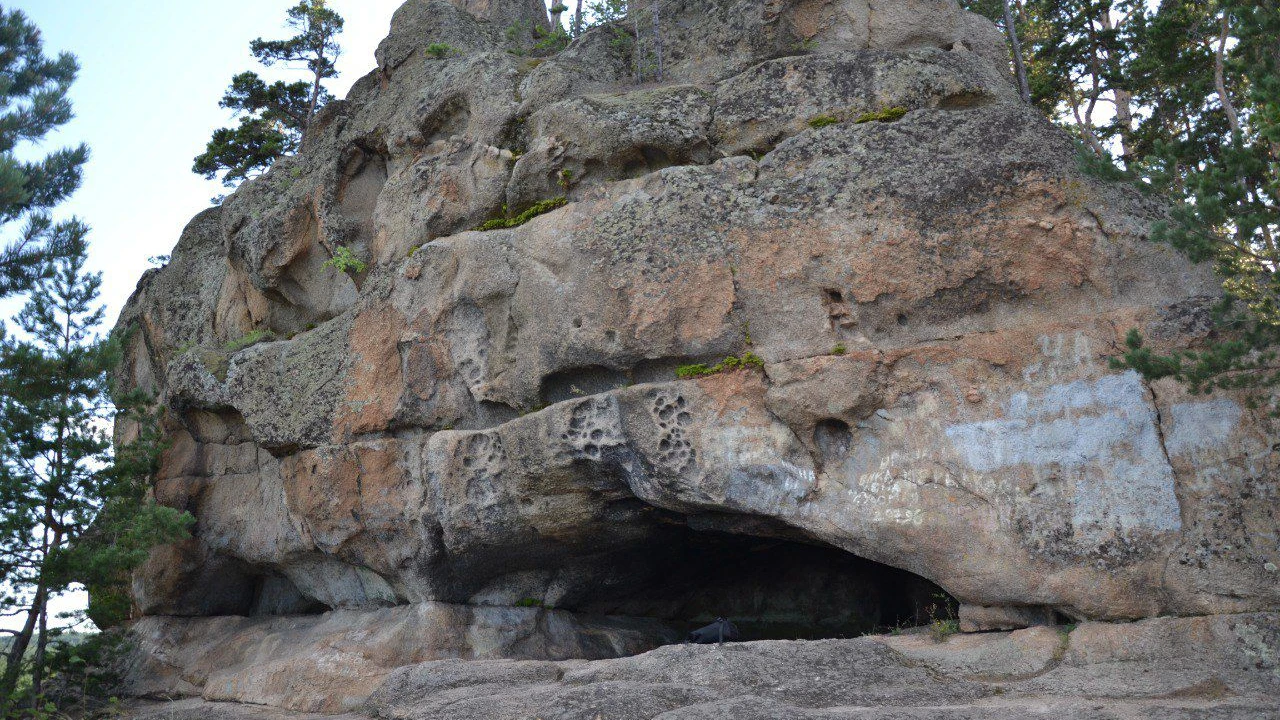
146 102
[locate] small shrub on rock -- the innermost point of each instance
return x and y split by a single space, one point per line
344 260
439 51
942 629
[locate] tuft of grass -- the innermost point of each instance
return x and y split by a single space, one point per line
748 359
253 337
516 30
439 50
537 209
941 629
553 42
888 114
823 120
839 349
344 260
530 602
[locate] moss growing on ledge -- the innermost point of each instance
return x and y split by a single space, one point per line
888 114
821 121
537 209
252 338
733 362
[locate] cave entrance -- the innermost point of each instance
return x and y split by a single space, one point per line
771 588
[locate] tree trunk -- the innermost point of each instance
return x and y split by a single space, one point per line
1219 80
1024 90
577 20
1085 125
21 641
37 663
657 41
1124 116
315 98
1123 100
637 51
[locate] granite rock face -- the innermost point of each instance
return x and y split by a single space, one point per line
483 420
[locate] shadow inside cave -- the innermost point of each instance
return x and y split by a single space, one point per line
771 588
685 571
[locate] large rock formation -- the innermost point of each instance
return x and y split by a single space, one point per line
475 421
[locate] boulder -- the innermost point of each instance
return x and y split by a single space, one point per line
816 329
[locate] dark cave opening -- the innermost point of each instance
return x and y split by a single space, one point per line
276 595
771 588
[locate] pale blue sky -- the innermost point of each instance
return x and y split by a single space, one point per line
146 101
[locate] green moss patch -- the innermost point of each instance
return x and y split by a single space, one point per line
251 338
537 209
748 359
823 120
888 114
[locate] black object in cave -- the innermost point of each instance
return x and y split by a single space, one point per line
717 632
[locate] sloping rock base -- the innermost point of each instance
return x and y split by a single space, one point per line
1225 666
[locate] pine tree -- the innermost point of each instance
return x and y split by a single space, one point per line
1215 144
67 511
1192 92
33 103
274 117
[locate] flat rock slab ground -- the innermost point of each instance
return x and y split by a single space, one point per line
1168 668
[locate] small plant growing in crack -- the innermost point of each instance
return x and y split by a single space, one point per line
439 51
344 260
944 625
941 629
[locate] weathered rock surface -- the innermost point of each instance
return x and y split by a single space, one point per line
333 662
492 419
1220 667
